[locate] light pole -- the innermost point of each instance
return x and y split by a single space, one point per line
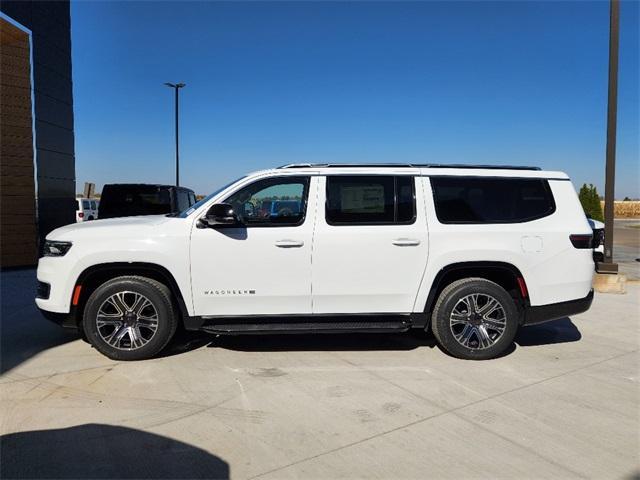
177 87
608 266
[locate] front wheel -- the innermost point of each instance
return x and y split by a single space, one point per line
475 319
130 318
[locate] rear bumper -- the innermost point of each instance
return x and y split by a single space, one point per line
554 311
66 320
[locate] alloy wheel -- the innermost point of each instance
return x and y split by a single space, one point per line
478 321
127 320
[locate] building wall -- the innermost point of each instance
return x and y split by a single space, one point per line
50 26
18 244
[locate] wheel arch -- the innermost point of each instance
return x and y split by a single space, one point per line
94 276
504 274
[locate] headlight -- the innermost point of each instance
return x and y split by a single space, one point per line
55 249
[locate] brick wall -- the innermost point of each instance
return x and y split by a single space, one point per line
18 244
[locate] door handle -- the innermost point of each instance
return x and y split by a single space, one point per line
289 243
406 242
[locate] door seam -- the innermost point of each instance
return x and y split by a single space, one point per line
313 239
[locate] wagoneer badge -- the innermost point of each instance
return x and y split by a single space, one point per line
229 292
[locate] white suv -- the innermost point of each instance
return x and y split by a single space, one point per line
86 209
471 252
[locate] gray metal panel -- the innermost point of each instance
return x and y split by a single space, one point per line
53 138
54 165
53 110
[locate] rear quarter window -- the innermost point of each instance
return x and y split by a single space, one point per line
477 200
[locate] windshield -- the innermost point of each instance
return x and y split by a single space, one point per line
195 206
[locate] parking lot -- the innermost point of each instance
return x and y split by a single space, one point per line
627 247
563 403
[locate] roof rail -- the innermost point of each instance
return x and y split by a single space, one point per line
398 165
303 165
488 167
344 165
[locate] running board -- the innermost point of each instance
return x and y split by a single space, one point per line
296 324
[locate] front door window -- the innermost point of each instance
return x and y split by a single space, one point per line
272 202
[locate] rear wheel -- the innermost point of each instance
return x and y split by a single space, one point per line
130 318
475 319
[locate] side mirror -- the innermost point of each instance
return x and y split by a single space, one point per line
219 214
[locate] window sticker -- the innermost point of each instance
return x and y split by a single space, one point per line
362 199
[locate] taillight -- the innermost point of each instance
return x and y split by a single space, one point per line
581 241
81 214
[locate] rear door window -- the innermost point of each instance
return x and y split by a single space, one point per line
491 200
370 200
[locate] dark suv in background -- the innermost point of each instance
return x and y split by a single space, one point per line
128 199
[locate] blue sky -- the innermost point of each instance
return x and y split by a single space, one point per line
274 83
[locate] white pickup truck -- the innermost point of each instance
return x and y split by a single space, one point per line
470 252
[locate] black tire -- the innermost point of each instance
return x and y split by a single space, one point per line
157 294
475 325
90 218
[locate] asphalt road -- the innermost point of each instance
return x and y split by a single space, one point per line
563 403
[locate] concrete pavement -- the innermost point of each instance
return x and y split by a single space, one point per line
562 404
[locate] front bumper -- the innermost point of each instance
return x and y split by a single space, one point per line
554 311
60 273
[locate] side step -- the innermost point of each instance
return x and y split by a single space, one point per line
308 324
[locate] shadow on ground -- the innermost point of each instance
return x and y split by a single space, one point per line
104 451
24 332
557 331
187 341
